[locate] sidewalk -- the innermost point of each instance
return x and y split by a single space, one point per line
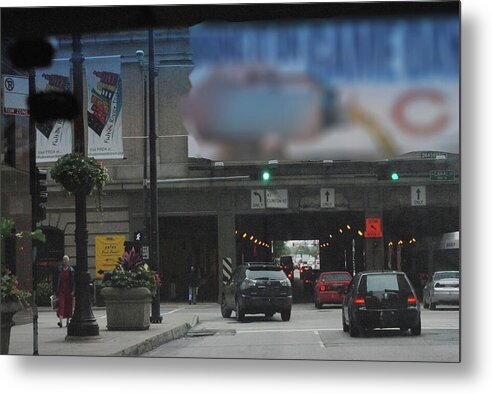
51 338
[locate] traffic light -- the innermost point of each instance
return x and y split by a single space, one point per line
41 194
386 174
265 175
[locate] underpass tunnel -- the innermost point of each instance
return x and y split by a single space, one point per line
340 236
411 237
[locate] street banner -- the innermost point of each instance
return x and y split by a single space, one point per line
108 250
105 134
53 137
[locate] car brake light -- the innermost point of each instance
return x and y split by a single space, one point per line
411 300
360 301
323 288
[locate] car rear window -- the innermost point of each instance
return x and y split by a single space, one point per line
446 275
272 274
337 276
383 283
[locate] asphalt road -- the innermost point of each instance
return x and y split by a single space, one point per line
312 334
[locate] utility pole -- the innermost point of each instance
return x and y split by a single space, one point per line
154 215
83 322
34 207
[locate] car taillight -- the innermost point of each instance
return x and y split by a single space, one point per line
359 301
411 300
323 288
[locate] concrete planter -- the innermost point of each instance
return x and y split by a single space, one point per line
127 309
8 310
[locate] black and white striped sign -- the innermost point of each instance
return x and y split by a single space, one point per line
226 269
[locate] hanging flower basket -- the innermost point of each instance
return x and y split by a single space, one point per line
77 173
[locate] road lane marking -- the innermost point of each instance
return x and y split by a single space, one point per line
324 329
174 310
320 342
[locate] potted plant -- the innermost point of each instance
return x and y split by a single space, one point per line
128 291
79 173
13 300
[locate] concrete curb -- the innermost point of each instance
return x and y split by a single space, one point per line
158 340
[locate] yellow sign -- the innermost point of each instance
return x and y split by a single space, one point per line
108 250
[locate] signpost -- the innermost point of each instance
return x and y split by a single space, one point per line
277 198
15 93
108 250
441 175
373 228
257 199
327 196
418 196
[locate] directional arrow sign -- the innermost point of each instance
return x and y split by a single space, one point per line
418 196
258 199
327 198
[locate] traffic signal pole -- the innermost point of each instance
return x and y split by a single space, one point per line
154 216
34 207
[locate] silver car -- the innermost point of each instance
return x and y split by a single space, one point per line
443 288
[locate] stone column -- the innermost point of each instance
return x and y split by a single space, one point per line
226 222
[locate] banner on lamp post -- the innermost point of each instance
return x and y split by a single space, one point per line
53 137
104 94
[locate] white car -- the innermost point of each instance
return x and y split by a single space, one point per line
443 288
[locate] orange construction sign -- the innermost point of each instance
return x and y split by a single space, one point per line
373 228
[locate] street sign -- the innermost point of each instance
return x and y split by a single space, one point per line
277 198
327 196
15 92
258 199
373 228
145 252
108 250
418 196
441 175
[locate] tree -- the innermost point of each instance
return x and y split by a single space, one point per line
280 249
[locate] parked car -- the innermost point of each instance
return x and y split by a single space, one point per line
257 288
330 288
380 299
443 288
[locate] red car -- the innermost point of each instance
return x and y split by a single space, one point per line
330 288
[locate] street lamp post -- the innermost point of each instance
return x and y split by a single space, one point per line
83 322
154 216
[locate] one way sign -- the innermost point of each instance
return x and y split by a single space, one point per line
418 196
327 198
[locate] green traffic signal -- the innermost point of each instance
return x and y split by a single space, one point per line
265 176
395 176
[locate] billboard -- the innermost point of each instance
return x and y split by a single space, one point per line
325 89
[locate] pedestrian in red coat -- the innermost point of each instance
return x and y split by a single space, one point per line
65 291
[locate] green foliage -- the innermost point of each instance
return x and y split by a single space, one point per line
280 249
79 173
7 227
38 235
9 288
45 290
131 272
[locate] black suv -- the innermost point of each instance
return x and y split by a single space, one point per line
257 288
382 299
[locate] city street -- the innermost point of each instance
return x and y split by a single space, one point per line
312 334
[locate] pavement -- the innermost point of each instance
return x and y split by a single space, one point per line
53 341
